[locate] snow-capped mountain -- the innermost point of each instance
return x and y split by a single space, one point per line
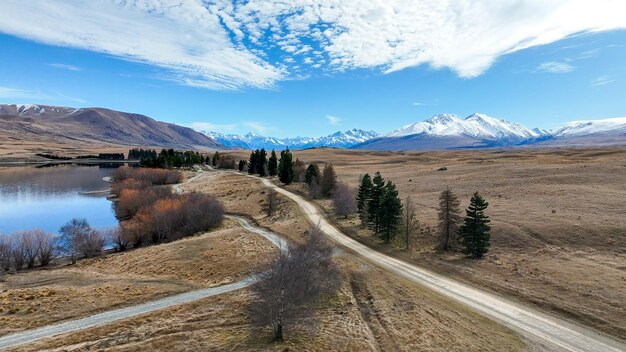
248 141
476 126
35 110
579 128
251 140
448 131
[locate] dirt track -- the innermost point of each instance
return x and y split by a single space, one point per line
529 322
125 313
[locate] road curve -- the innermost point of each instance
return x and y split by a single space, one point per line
29 336
527 321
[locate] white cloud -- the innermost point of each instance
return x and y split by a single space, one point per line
555 67
226 44
417 104
333 120
65 67
184 37
259 127
209 126
602 80
466 36
15 93
32 96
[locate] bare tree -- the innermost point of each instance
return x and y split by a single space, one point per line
344 200
271 201
18 252
46 246
5 252
29 246
288 289
410 223
328 180
116 237
79 239
449 218
93 244
314 188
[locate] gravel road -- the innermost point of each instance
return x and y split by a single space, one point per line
556 333
29 336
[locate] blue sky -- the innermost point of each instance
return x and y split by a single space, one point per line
312 71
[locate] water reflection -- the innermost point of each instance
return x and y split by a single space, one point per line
48 197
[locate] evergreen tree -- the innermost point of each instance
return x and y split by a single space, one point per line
261 162
475 232
329 180
363 197
312 171
272 164
216 159
374 202
449 219
253 162
286 173
242 164
389 212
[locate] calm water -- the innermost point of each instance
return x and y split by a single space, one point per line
48 197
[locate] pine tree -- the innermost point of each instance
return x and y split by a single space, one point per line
389 212
475 232
449 218
242 164
285 167
312 171
261 162
329 180
253 162
272 164
373 204
363 197
216 159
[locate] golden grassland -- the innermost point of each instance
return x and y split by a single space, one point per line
35 298
558 224
373 310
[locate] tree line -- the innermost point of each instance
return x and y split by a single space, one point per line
31 248
380 209
169 158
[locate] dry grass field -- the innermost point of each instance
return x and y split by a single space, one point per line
558 241
39 297
17 150
558 224
372 312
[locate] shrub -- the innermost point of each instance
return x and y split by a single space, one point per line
78 239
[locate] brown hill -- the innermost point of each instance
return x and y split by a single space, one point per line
41 123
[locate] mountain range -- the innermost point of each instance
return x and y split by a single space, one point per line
447 131
251 140
71 126
42 123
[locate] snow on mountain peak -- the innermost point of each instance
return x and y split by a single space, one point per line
578 128
250 140
476 125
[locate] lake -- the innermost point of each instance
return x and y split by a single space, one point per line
48 197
